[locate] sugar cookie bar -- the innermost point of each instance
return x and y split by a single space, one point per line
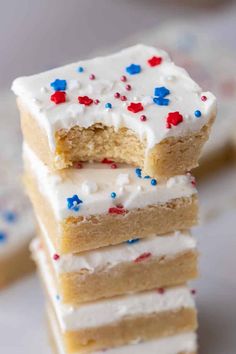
119 320
184 343
134 107
16 232
97 205
136 265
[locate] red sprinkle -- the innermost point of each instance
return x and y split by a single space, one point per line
105 160
113 165
161 290
117 210
58 97
154 61
142 257
117 95
173 118
56 257
85 100
128 87
204 98
143 118
92 77
123 98
123 78
96 101
135 107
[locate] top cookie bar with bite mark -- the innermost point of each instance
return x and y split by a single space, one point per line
135 106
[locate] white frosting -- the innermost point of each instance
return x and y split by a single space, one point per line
135 193
185 96
107 257
184 342
107 311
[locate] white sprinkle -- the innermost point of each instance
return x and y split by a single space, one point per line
75 109
187 116
44 89
171 78
121 190
122 179
89 187
139 188
73 84
36 100
147 100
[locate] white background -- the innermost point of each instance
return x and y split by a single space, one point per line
37 35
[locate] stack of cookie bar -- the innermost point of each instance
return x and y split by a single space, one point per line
109 144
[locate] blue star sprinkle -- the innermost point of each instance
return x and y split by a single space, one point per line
74 202
197 113
10 216
133 69
160 101
59 85
161 91
130 242
3 237
138 172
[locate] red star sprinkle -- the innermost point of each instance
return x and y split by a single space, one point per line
58 97
154 61
142 257
173 118
135 107
85 100
119 210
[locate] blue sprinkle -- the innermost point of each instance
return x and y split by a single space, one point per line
153 182
146 177
57 297
161 91
130 242
108 105
73 202
80 69
160 101
133 69
138 172
10 216
59 85
3 237
113 195
197 113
